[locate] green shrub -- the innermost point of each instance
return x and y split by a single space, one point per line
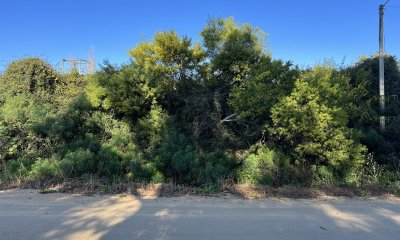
143 171
311 124
139 170
183 160
158 177
68 124
214 173
178 111
125 91
30 75
85 142
394 187
259 166
216 165
150 129
75 163
16 168
267 166
323 175
44 169
177 157
108 162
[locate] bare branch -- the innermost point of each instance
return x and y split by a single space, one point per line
228 118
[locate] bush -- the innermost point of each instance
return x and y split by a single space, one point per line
86 142
394 187
29 75
311 123
45 169
16 168
214 173
323 175
158 177
266 166
177 157
258 167
75 163
178 111
150 129
136 170
108 162
125 91
140 170
216 166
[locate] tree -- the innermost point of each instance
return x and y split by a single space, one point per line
252 100
234 53
170 58
17 139
193 81
364 76
126 91
29 75
232 50
311 123
70 86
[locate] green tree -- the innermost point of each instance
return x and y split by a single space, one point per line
232 50
253 99
234 53
177 157
125 91
69 86
364 75
18 115
29 75
170 58
311 123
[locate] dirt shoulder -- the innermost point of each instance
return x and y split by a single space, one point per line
245 191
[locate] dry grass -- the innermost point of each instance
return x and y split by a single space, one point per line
258 191
247 191
103 186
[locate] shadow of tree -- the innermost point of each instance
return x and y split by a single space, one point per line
93 220
216 218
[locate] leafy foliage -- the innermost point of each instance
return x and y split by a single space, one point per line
125 91
262 165
177 156
30 75
311 123
383 145
201 113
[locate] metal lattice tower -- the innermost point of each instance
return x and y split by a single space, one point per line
78 64
81 65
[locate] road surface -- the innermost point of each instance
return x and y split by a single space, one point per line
26 214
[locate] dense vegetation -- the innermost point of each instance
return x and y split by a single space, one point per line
200 114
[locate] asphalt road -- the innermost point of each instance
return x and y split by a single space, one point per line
26 214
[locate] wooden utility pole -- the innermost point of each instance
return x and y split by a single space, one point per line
381 69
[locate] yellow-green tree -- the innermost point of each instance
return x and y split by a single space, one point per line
311 123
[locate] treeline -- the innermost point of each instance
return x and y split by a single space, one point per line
202 113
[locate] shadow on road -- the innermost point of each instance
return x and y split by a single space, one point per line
61 216
94 220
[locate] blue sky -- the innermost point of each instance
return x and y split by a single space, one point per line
303 31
